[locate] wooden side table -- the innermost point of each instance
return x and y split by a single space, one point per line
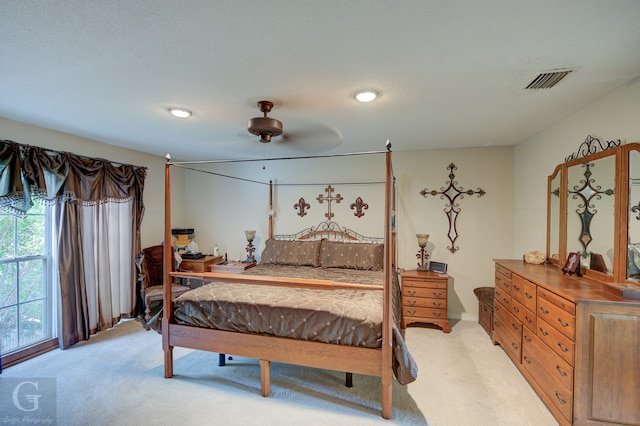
232 267
424 298
200 265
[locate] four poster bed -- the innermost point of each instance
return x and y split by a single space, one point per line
326 297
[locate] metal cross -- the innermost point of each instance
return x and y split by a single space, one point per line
452 209
329 198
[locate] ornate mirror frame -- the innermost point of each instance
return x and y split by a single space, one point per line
625 206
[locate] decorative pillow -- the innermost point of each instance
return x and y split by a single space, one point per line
364 256
295 253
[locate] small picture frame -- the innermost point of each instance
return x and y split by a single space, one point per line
597 263
572 265
438 267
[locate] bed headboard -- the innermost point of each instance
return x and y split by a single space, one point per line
329 230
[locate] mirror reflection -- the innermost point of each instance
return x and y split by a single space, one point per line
553 249
591 212
633 253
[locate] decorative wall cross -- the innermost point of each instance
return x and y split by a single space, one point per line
452 209
329 198
586 194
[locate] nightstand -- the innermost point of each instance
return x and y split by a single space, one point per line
424 298
232 267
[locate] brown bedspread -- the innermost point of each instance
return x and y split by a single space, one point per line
348 317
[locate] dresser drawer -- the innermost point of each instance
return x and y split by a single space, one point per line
424 312
504 271
424 302
556 300
557 341
510 343
503 297
503 283
517 287
435 293
510 322
560 369
529 296
526 317
559 395
440 284
557 317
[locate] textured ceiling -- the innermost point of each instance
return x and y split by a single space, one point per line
452 73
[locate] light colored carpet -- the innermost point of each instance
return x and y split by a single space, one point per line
116 378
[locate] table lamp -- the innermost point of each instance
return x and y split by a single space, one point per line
250 248
422 254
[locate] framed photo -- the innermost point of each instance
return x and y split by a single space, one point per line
597 263
572 265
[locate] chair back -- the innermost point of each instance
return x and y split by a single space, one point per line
153 270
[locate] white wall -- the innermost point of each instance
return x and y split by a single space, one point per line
612 117
220 209
153 220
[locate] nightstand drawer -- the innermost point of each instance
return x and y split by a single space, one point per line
424 302
435 293
424 312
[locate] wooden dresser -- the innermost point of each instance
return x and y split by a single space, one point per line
576 342
424 298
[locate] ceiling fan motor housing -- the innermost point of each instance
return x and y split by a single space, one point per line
265 127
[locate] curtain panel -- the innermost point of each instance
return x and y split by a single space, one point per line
73 183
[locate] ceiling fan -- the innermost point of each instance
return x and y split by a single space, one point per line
265 127
300 134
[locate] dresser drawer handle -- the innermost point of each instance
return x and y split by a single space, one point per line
544 333
563 348
515 346
562 401
526 359
516 310
528 339
530 321
563 323
413 312
411 292
544 311
436 314
516 288
437 294
411 302
528 295
515 326
437 304
562 373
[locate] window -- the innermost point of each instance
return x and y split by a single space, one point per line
26 296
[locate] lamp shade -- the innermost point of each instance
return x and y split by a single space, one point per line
250 235
422 239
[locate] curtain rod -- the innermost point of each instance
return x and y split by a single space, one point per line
76 155
168 158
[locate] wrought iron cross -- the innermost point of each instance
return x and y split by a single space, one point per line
329 198
452 209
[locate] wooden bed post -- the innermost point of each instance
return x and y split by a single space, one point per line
387 315
168 266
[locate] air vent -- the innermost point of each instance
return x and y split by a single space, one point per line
547 80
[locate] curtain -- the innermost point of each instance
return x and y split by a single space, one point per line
99 210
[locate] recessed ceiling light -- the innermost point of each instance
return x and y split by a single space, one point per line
180 112
366 95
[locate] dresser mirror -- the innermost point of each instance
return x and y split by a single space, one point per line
633 225
590 211
582 216
553 214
